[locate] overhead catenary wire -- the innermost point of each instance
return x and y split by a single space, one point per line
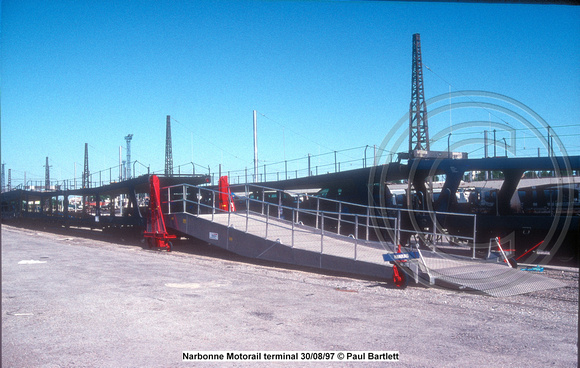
208 141
298 134
528 129
464 95
284 127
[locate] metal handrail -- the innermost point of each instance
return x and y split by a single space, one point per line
268 204
341 218
184 208
307 210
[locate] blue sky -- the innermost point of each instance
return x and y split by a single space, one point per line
323 76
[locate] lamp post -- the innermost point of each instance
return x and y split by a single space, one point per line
505 147
494 146
549 150
140 163
365 160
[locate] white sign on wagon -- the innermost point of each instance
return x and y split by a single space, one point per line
213 236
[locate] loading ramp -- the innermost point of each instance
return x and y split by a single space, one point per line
271 240
298 236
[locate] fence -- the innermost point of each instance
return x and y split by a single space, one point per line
291 217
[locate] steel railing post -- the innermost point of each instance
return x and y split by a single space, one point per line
397 229
297 210
292 246
355 235
228 231
317 211
184 210
339 217
247 194
321 232
368 219
247 212
267 220
434 230
279 203
263 194
198 200
212 205
474 233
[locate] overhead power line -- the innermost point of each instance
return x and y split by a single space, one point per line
207 140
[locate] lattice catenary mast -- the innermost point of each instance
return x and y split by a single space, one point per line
168 151
86 182
128 167
3 180
46 176
418 128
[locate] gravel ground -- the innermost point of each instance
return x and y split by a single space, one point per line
106 302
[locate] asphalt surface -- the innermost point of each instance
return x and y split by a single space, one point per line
85 302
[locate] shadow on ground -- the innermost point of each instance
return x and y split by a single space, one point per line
193 246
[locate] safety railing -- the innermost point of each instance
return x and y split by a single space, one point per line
271 208
327 217
428 226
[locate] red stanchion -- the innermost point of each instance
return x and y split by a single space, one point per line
158 236
226 202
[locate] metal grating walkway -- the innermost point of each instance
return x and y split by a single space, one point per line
496 279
